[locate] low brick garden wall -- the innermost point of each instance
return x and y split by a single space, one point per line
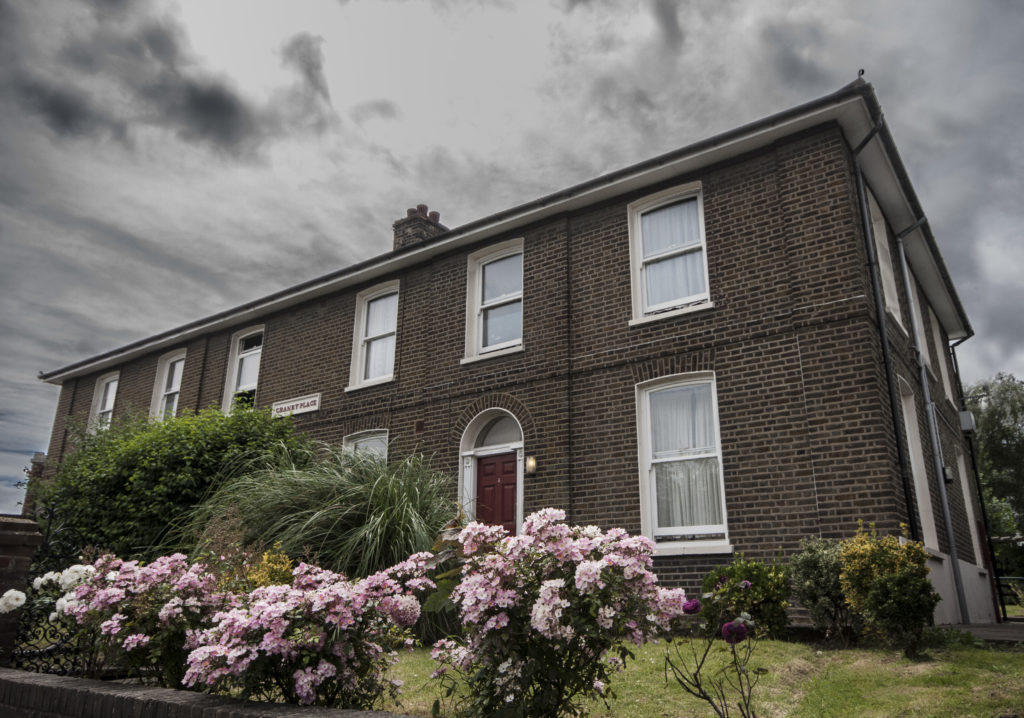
40 695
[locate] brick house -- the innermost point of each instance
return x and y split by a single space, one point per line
728 348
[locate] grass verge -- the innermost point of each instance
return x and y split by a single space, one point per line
804 682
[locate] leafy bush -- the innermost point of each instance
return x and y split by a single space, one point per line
353 512
886 583
752 587
121 488
816 586
545 616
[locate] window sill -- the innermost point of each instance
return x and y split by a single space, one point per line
497 353
692 548
690 309
371 382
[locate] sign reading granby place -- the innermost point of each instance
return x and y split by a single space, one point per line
296 406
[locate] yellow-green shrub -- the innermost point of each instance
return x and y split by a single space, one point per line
885 581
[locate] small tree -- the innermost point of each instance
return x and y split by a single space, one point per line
123 487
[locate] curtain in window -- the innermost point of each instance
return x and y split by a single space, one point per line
673 258
687 481
381 322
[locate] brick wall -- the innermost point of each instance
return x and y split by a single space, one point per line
19 538
792 339
40 695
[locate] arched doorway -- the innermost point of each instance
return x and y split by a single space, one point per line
491 481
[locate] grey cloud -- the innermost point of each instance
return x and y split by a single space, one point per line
666 14
374 109
305 54
787 46
621 100
66 110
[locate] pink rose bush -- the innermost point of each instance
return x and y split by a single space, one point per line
547 615
323 640
140 616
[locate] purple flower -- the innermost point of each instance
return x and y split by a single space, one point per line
744 584
692 606
734 632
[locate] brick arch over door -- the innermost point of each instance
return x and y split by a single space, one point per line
494 400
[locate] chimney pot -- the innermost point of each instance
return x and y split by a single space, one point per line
417 226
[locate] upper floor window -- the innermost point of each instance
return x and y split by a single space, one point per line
494 306
373 442
942 349
373 346
883 248
243 367
168 385
681 488
668 253
103 397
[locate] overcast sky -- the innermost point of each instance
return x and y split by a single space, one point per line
162 161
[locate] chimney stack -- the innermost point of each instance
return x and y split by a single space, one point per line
417 226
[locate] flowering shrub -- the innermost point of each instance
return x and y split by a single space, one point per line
142 616
323 640
546 613
750 586
886 584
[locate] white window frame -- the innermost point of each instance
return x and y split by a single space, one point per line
918 307
163 366
234 357
475 306
883 252
469 453
918 471
360 340
648 507
942 349
349 442
642 312
98 418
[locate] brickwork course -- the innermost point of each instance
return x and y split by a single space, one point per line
791 335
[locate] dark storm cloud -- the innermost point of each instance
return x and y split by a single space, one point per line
134 69
666 15
619 99
65 110
305 54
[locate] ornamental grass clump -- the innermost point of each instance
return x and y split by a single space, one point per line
353 512
547 615
323 640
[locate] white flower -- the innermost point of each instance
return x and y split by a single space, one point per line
11 600
74 575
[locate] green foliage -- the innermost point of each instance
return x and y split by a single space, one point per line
886 584
753 587
998 407
352 511
122 487
816 586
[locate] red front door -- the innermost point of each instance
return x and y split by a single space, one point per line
496 490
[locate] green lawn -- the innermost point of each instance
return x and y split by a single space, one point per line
804 682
